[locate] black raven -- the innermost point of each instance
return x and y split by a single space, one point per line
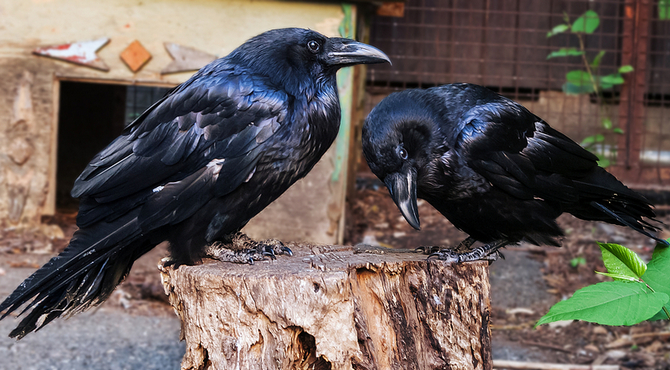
196 166
492 168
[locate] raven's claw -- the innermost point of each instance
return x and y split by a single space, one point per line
242 249
488 252
287 251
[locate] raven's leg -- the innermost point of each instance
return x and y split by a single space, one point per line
242 249
487 252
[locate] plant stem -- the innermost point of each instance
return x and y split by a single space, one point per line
588 67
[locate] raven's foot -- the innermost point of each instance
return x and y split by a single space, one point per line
243 249
462 247
488 252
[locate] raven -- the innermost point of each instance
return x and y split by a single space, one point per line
492 168
196 166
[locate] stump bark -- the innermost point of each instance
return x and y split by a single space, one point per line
330 308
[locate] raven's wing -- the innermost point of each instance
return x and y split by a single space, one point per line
199 142
523 156
518 153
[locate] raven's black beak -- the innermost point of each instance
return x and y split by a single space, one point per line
402 187
343 52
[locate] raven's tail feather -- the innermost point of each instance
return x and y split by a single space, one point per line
84 274
632 220
604 198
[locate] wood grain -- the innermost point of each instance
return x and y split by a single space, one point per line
330 308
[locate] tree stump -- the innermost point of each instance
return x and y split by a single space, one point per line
328 307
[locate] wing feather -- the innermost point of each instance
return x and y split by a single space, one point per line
213 116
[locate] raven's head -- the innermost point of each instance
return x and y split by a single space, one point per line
398 140
288 55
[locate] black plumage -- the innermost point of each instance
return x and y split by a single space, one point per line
196 166
494 169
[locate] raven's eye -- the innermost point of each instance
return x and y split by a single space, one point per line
313 46
402 153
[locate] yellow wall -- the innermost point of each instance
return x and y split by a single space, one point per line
213 26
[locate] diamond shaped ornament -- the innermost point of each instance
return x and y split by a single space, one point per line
135 56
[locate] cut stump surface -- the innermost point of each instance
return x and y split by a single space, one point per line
330 308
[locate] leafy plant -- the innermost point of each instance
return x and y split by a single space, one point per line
664 10
588 81
578 261
638 292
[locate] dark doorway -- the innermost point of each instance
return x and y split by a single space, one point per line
91 115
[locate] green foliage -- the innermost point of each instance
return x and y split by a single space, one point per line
639 291
658 275
578 261
587 23
558 29
664 10
608 303
588 81
565 52
622 262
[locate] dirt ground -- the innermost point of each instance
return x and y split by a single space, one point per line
524 285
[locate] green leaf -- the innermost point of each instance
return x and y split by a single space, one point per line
597 59
608 303
659 316
578 261
599 138
588 140
558 29
612 79
658 271
627 68
572 89
617 130
578 78
607 123
620 260
664 10
587 23
565 52
604 163
617 276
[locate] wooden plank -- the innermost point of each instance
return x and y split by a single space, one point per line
82 53
185 59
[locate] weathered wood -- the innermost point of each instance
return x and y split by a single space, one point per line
330 308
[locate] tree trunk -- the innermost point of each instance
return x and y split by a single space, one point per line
330 308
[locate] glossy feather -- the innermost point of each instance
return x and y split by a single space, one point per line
494 169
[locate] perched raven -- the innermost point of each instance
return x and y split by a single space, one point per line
196 166
492 168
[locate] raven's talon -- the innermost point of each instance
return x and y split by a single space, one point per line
446 255
242 249
268 252
286 250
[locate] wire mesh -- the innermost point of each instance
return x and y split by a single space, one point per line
503 44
